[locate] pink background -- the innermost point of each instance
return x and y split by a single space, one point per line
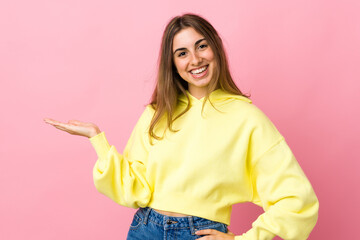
96 61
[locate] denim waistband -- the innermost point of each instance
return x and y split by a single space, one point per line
192 222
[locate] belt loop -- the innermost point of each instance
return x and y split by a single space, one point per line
147 212
191 224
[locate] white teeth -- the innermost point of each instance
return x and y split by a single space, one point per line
199 70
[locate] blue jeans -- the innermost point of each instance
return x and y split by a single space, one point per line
148 224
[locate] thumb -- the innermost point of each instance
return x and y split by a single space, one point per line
231 233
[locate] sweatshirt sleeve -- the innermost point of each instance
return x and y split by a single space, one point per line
122 177
282 189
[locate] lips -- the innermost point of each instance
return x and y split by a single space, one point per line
200 75
198 68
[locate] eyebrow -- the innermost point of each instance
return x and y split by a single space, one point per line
197 42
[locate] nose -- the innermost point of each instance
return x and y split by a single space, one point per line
196 59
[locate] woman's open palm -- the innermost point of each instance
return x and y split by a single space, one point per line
75 127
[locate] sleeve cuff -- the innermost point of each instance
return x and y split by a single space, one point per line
100 144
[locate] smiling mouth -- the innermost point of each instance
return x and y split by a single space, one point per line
200 72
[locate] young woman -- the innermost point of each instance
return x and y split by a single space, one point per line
199 147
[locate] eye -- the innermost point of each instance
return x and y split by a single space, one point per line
180 54
205 45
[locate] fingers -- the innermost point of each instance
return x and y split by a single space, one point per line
64 129
51 121
214 234
76 122
62 126
74 127
47 120
206 231
57 123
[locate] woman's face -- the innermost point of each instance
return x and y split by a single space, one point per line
194 60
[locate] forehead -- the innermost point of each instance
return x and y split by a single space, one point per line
186 38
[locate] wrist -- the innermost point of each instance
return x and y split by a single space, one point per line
95 132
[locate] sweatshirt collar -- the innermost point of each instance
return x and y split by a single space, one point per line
217 95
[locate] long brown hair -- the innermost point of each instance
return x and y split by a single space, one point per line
170 84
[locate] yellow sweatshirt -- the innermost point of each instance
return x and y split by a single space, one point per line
217 159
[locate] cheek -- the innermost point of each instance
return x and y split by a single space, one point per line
180 66
213 60
210 55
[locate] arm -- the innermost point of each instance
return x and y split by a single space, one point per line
122 177
282 189
279 186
